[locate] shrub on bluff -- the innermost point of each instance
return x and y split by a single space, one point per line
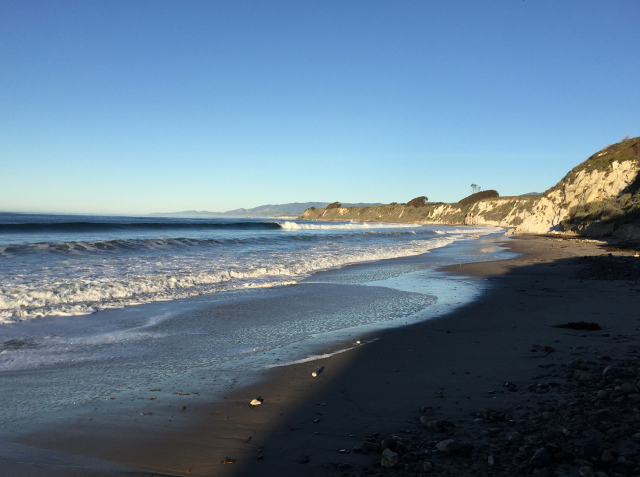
334 205
485 194
418 201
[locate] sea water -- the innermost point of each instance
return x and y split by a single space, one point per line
96 308
73 265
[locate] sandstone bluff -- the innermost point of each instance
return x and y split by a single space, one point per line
599 197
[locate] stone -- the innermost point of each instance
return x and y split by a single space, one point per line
515 438
448 446
540 459
636 437
544 472
389 458
592 448
427 466
372 446
606 456
491 460
427 411
602 394
586 471
388 443
424 421
628 388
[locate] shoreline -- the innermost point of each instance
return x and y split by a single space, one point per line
377 388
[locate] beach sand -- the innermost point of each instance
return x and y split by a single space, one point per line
456 364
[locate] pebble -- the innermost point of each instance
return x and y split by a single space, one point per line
388 458
591 449
448 446
628 388
586 471
541 458
606 456
372 446
427 466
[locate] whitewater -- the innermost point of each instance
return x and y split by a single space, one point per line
61 265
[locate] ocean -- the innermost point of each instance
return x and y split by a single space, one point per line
99 308
73 265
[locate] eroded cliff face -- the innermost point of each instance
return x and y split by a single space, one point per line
609 173
586 186
496 212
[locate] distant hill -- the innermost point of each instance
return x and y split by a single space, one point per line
269 210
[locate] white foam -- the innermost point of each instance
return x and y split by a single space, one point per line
90 284
350 226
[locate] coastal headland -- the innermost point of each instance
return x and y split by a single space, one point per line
597 198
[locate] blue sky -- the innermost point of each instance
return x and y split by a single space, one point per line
148 106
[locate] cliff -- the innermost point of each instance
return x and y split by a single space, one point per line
599 197
498 212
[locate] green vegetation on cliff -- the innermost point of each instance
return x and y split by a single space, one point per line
625 150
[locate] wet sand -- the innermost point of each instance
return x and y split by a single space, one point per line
456 364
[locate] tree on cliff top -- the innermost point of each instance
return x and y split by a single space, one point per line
334 205
418 201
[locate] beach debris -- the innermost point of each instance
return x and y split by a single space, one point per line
146 413
152 398
227 460
358 342
257 401
389 458
315 373
343 451
248 439
184 407
580 325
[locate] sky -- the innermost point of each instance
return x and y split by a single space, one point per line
161 106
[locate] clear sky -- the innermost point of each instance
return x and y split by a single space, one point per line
159 106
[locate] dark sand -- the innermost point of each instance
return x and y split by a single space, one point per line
380 387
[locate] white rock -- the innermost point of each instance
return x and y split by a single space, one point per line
587 471
389 458
255 402
448 446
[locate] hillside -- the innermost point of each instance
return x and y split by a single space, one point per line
599 197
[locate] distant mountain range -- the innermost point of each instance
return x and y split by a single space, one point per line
269 210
